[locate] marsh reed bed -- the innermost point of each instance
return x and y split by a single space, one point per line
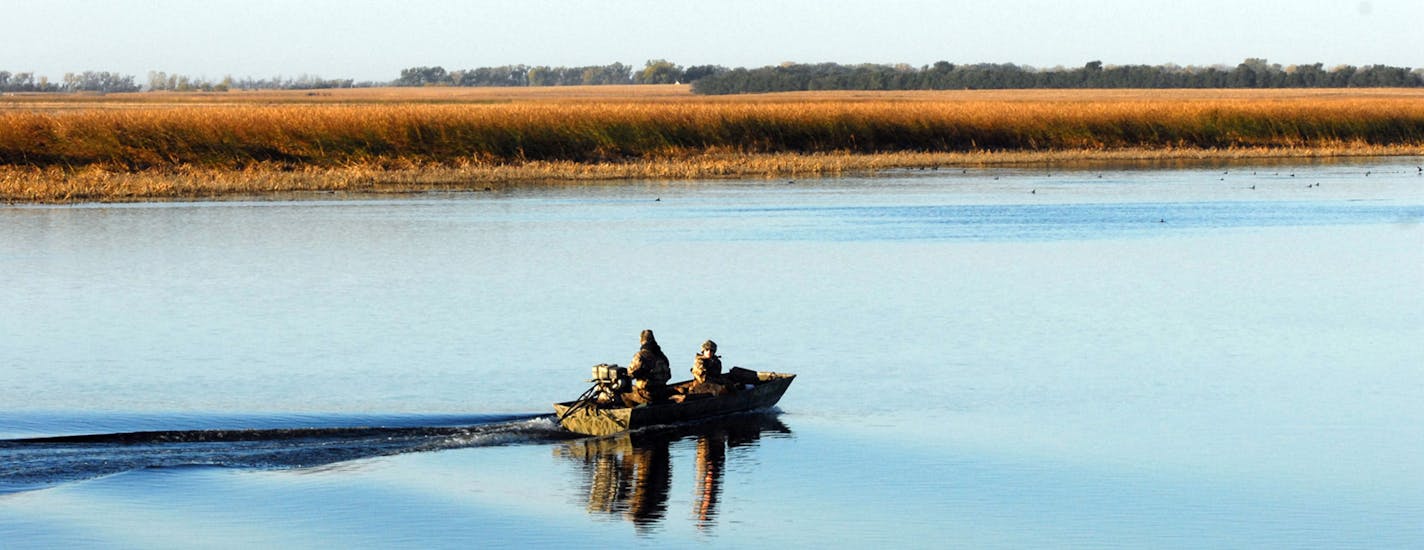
203 149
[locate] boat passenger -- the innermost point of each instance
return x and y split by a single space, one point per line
707 365
707 371
650 372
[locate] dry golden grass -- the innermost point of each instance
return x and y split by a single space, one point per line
57 185
138 146
356 96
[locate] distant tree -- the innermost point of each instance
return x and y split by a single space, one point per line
542 76
1341 76
616 73
1091 75
101 81
22 82
697 72
658 71
157 80
423 76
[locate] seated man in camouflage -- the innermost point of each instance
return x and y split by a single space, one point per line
707 371
650 372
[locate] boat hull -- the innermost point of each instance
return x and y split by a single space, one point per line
591 420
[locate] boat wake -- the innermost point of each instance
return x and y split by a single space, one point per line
37 463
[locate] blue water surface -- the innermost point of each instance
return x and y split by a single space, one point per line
1210 356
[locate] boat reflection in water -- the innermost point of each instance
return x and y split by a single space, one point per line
630 474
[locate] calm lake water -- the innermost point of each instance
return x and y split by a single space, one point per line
1224 356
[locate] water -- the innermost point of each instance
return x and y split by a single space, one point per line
1225 356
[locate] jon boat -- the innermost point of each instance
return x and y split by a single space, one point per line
586 416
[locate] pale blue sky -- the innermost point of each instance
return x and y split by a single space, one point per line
375 39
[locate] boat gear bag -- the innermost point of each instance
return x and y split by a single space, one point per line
743 376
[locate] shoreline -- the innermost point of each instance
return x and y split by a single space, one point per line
25 185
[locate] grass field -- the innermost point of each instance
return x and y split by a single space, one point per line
152 145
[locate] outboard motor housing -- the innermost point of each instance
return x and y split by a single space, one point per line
612 380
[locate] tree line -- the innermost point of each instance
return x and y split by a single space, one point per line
1251 73
107 82
716 79
159 80
656 71
87 81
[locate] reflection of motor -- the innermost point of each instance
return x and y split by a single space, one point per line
611 381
